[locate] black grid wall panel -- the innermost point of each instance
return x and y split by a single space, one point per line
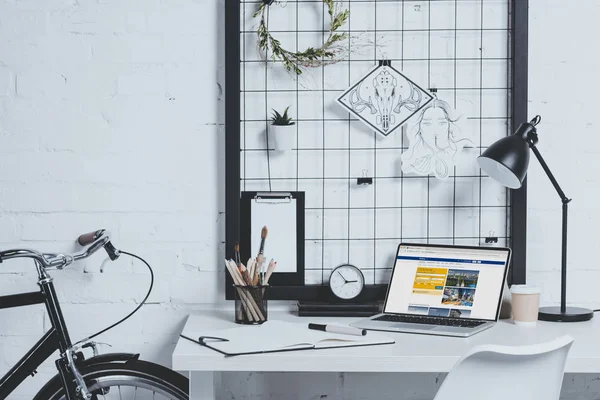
459 49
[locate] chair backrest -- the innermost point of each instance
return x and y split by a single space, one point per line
491 372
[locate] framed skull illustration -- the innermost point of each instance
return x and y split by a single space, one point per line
384 99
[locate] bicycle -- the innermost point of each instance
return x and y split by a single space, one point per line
99 377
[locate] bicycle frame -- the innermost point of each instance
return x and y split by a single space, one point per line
57 338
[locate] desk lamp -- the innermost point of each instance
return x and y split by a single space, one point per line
506 161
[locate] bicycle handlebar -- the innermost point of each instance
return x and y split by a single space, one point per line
87 238
94 241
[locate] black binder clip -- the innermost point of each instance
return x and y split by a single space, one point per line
364 180
268 2
491 239
385 63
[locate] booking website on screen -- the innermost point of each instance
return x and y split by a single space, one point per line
447 282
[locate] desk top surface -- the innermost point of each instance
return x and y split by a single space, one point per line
410 353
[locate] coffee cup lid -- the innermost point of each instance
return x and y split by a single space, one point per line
525 289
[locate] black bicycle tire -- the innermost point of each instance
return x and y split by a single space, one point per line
135 368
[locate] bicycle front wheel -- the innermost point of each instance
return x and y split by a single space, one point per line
133 380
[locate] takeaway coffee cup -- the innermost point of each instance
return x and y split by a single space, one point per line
525 304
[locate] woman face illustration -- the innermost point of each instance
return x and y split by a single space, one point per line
435 128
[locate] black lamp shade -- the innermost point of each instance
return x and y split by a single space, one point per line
506 161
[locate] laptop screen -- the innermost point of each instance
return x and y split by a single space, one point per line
447 281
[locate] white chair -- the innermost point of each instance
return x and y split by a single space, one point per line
492 372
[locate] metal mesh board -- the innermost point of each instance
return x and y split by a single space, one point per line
459 49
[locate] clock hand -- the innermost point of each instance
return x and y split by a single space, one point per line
345 281
351 281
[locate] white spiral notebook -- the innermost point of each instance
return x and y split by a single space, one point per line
279 336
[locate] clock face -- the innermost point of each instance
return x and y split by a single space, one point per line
346 282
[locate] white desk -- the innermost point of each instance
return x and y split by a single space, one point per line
411 353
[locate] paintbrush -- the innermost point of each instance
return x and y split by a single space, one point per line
263 237
256 270
236 253
260 258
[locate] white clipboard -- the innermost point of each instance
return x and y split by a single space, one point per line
283 215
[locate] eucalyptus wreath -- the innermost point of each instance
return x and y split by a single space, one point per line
330 52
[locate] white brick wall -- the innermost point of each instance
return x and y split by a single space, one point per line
110 116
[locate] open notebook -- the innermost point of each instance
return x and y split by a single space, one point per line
278 336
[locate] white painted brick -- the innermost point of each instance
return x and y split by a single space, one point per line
33 83
15 325
111 286
197 287
101 197
202 259
61 226
49 51
18 282
33 5
18 24
168 228
99 19
10 228
146 322
7 84
143 83
19 132
198 20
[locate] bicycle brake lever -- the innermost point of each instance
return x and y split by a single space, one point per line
94 346
112 252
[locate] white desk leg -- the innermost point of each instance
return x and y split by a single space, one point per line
202 385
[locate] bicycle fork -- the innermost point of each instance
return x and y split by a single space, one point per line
66 365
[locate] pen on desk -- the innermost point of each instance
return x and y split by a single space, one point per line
344 330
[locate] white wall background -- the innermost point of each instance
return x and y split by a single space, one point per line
111 115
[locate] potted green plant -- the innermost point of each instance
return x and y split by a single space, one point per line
281 132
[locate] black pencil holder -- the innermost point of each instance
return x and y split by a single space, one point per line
250 304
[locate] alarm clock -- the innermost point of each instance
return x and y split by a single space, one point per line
346 282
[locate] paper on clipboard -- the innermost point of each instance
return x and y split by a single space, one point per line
279 216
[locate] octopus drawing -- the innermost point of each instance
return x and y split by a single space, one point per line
434 141
384 99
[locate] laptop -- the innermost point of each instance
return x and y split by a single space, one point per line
443 290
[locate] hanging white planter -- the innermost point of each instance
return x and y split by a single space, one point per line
282 137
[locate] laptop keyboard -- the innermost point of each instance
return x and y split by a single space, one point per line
415 319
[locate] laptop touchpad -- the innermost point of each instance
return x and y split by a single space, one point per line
421 327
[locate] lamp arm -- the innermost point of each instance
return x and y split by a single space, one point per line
565 206
538 155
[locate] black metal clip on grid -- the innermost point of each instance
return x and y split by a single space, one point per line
491 239
268 2
382 63
273 197
364 180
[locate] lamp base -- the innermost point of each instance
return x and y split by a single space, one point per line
572 314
